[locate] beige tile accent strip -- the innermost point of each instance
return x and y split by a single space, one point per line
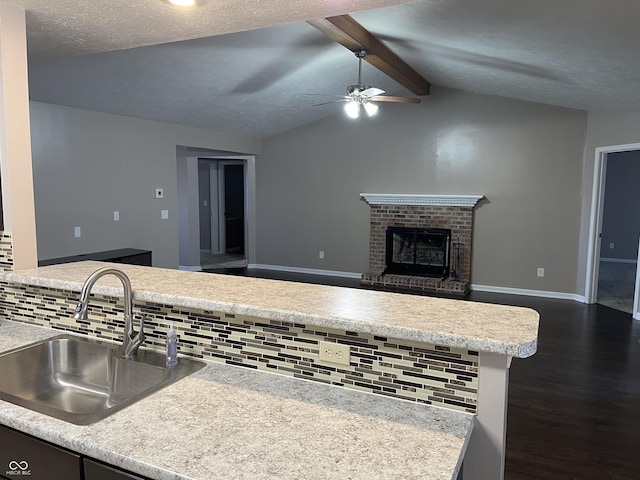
430 374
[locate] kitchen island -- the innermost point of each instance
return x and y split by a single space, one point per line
228 422
404 340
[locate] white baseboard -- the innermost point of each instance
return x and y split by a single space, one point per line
529 293
309 271
618 260
190 268
477 288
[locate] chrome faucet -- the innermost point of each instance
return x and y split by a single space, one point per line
131 342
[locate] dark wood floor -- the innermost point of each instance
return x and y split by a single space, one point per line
574 407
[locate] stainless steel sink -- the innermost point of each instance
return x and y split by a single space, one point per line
82 380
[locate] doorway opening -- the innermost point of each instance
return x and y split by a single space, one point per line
613 277
222 193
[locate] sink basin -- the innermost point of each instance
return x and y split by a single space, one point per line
82 380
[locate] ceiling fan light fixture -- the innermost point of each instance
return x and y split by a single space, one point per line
352 108
371 108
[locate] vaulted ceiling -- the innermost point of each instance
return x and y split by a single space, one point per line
257 68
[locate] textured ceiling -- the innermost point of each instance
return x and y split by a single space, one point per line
246 69
72 27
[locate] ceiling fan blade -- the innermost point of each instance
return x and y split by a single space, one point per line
332 101
388 98
371 91
339 98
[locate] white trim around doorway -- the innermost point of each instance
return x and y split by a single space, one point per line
595 221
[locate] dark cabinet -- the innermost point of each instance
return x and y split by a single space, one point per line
99 471
24 456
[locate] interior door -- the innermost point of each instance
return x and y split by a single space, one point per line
204 206
234 208
214 227
636 294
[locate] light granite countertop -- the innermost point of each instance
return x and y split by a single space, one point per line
228 422
482 327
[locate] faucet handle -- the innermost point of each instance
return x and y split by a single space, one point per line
131 342
138 338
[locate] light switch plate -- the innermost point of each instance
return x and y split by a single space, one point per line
159 193
76 232
116 216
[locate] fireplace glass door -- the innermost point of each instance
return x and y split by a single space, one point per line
418 251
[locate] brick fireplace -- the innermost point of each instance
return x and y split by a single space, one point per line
451 212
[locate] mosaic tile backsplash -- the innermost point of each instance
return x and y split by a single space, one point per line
6 251
431 374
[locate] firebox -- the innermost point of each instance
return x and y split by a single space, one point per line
418 251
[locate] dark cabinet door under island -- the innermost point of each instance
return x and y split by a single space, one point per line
24 456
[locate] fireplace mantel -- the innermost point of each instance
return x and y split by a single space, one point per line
468 201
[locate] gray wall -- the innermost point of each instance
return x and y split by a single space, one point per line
604 129
621 214
525 157
88 164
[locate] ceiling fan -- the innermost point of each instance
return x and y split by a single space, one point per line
360 96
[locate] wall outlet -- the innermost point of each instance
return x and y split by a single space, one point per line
541 272
335 353
321 254
116 216
164 214
611 245
76 232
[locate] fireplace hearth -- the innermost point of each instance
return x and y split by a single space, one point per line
421 242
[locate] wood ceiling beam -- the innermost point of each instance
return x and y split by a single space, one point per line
350 34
